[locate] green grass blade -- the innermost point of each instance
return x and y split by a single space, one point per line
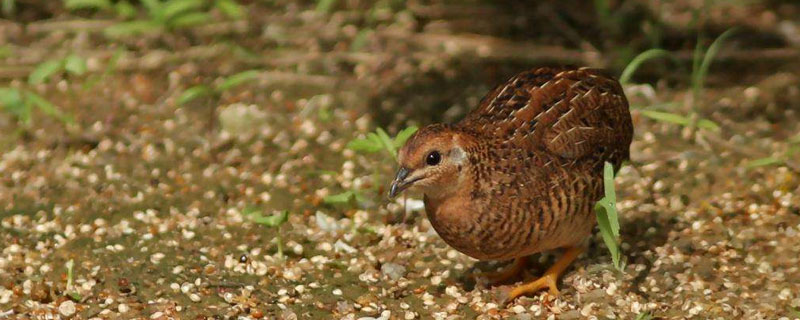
702 67
360 40
640 59
190 20
11 101
132 28
387 142
9 7
644 316
44 71
125 9
340 198
666 117
230 8
75 64
325 6
611 198
707 124
47 107
175 8
194 93
402 136
606 233
368 145
154 9
763 162
238 79
274 220
87 4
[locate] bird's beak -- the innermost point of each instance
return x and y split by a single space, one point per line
399 184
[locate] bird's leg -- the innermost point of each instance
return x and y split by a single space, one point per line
548 280
508 272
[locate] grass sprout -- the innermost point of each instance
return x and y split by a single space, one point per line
701 62
227 83
792 151
640 59
21 103
380 140
273 221
72 64
644 316
344 197
69 290
167 15
607 216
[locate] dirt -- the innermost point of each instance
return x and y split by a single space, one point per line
149 197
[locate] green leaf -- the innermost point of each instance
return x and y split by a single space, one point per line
370 145
763 162
238 79
47 107
610 203
274 220
387 142
6 51
11 101
125 9
325 6
360 40
340 198
230 8
190 20
9 7
644 316
132 28
606 233
666 117
175 8
194 93
44 71
75 64
87 4
707 124
154 8
795 312
643 57
402 136
607 216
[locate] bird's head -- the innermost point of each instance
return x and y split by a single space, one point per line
431 161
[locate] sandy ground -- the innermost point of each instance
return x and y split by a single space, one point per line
149 198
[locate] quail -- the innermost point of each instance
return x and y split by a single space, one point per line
521 173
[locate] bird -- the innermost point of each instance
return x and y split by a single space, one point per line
521 173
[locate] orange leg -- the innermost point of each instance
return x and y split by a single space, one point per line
507 273
548 280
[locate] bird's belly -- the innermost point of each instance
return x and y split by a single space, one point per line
501 239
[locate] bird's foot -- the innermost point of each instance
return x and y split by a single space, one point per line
507 273
548 280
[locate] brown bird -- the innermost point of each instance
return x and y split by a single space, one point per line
521 173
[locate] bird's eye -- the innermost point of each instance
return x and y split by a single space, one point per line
433 158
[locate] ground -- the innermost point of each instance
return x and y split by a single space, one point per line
150 195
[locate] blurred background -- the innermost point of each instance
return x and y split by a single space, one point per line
227 158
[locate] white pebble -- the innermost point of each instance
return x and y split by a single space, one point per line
67 308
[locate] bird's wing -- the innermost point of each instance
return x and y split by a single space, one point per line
570 113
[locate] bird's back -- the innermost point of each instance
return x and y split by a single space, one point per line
537 171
